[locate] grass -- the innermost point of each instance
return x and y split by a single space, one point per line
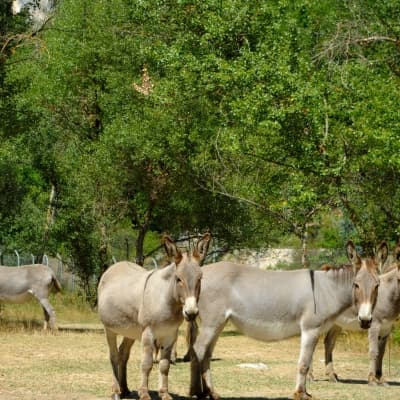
74 365
69 307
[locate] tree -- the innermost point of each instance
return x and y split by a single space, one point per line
361 60
301 128
108 146
241 117
21 199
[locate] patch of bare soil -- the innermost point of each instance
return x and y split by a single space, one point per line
74 365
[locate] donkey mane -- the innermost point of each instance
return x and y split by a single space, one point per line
331 267
342 274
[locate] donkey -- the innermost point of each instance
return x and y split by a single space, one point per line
384 315
20 284
149 306
274 305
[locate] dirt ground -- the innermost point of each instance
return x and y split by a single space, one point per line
74 365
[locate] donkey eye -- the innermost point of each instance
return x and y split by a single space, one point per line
356 285
179 281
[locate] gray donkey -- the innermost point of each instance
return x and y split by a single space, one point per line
386 312
149 306
20 284
274 305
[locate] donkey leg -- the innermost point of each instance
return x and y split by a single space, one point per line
379 361
373 339
196 388
46 319
329 345
124 352
156 352
146 363
309 339
377 346
174 352
49 314
164 364
379 370
201 381
189 340
114 359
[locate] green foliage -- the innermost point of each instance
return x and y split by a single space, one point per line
256 120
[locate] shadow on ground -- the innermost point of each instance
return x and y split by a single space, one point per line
154 395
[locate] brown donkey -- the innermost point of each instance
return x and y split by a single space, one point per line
274 305
150 306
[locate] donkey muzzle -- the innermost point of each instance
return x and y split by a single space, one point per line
365 315
190 309
365 324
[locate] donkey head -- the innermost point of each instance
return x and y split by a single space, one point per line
366 281
188 274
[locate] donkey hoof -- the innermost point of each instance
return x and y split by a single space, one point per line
373 382
165 396
144 395
333 378
201 395
115 396
301 396
215 396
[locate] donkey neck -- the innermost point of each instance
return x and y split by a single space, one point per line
388 304
160 284
159 301
333 289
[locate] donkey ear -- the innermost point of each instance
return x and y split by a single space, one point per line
352 254
171 249
381 255
200 251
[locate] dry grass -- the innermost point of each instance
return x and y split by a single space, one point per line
69 308
74 365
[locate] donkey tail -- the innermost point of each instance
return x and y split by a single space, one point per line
56 283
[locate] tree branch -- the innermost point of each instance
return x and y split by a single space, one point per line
372 39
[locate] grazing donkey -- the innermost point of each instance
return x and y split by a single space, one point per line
386 311
20 284
274 305
150 306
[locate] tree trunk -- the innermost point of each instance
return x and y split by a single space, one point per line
304 247
49 218
139 259
368 247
